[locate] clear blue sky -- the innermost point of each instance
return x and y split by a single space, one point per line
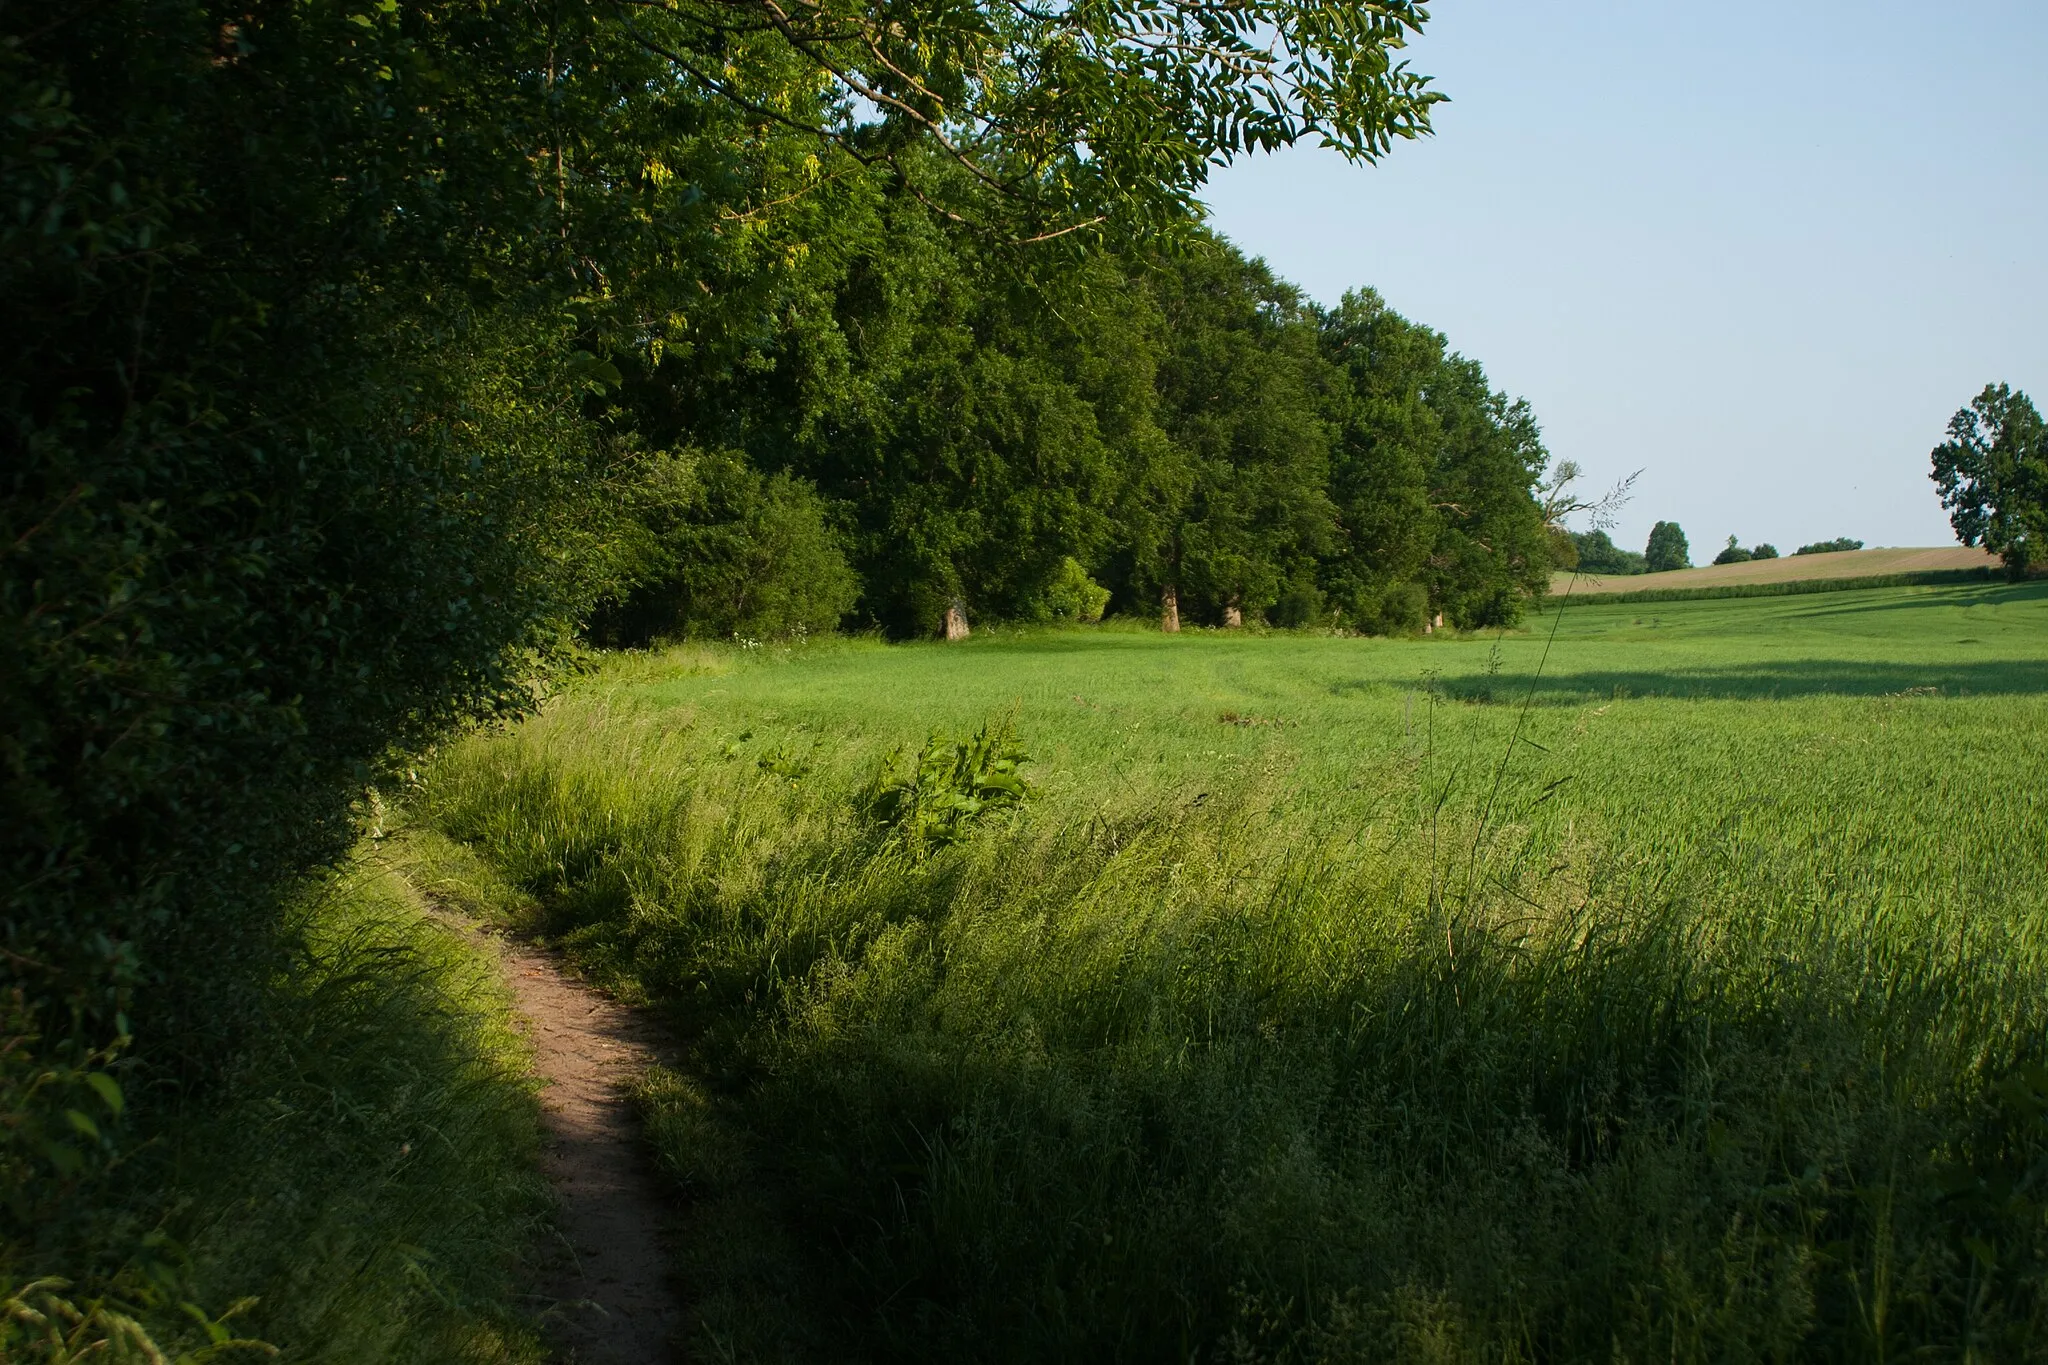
1761 252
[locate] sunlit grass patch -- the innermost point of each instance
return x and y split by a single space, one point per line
1651 1018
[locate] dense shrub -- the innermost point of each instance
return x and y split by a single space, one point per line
1074 596
1829 547
720 550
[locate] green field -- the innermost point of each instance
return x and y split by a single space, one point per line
1332 998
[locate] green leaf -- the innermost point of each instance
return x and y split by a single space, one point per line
108 1090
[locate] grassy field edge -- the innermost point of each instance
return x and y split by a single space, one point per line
365 1188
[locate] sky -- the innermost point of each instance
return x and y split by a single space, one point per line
1759 252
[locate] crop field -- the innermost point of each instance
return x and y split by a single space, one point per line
1957 559
1657 982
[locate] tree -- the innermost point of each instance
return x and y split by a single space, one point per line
1829 547
1992 472
1763 551
1492 550
1599 554
1386 441
1667 549
1733 554
1241 395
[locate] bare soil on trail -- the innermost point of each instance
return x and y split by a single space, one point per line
604 1280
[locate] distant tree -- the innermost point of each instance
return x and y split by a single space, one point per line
1828 547
1667 548
1599 554
1993 475
1763 551
1734 554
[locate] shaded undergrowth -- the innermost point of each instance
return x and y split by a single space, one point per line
1143 1072
360 1187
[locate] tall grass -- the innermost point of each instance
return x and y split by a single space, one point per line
361 1189
1271 1031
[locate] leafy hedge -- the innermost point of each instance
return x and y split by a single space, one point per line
294 477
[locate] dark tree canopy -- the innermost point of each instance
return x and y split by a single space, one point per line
1598 554
1667 549
1992 472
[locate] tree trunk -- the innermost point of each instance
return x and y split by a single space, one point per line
956 620
1434 624
1169 611
1233 615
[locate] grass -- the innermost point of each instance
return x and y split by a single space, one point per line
362 1190
1331 998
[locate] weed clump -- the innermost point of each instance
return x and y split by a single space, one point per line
937 795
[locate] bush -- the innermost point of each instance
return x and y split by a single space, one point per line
1829 547
1074 596
1763 551
1734 554
1397 608
720 550
1300 604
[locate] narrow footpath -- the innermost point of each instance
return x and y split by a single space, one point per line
604 1282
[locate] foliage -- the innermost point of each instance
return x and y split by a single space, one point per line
1763 551
1598 554
1045 122
1239 374
726 552
1667 549
1074 596
935 797
1609 1058
1992 472
1733 554
318 424
1828 547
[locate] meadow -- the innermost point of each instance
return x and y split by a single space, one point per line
1657 981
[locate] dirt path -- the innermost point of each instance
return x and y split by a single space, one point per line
606 1280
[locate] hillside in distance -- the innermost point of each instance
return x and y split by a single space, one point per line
1787 569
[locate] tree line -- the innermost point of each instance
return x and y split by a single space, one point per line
926 435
